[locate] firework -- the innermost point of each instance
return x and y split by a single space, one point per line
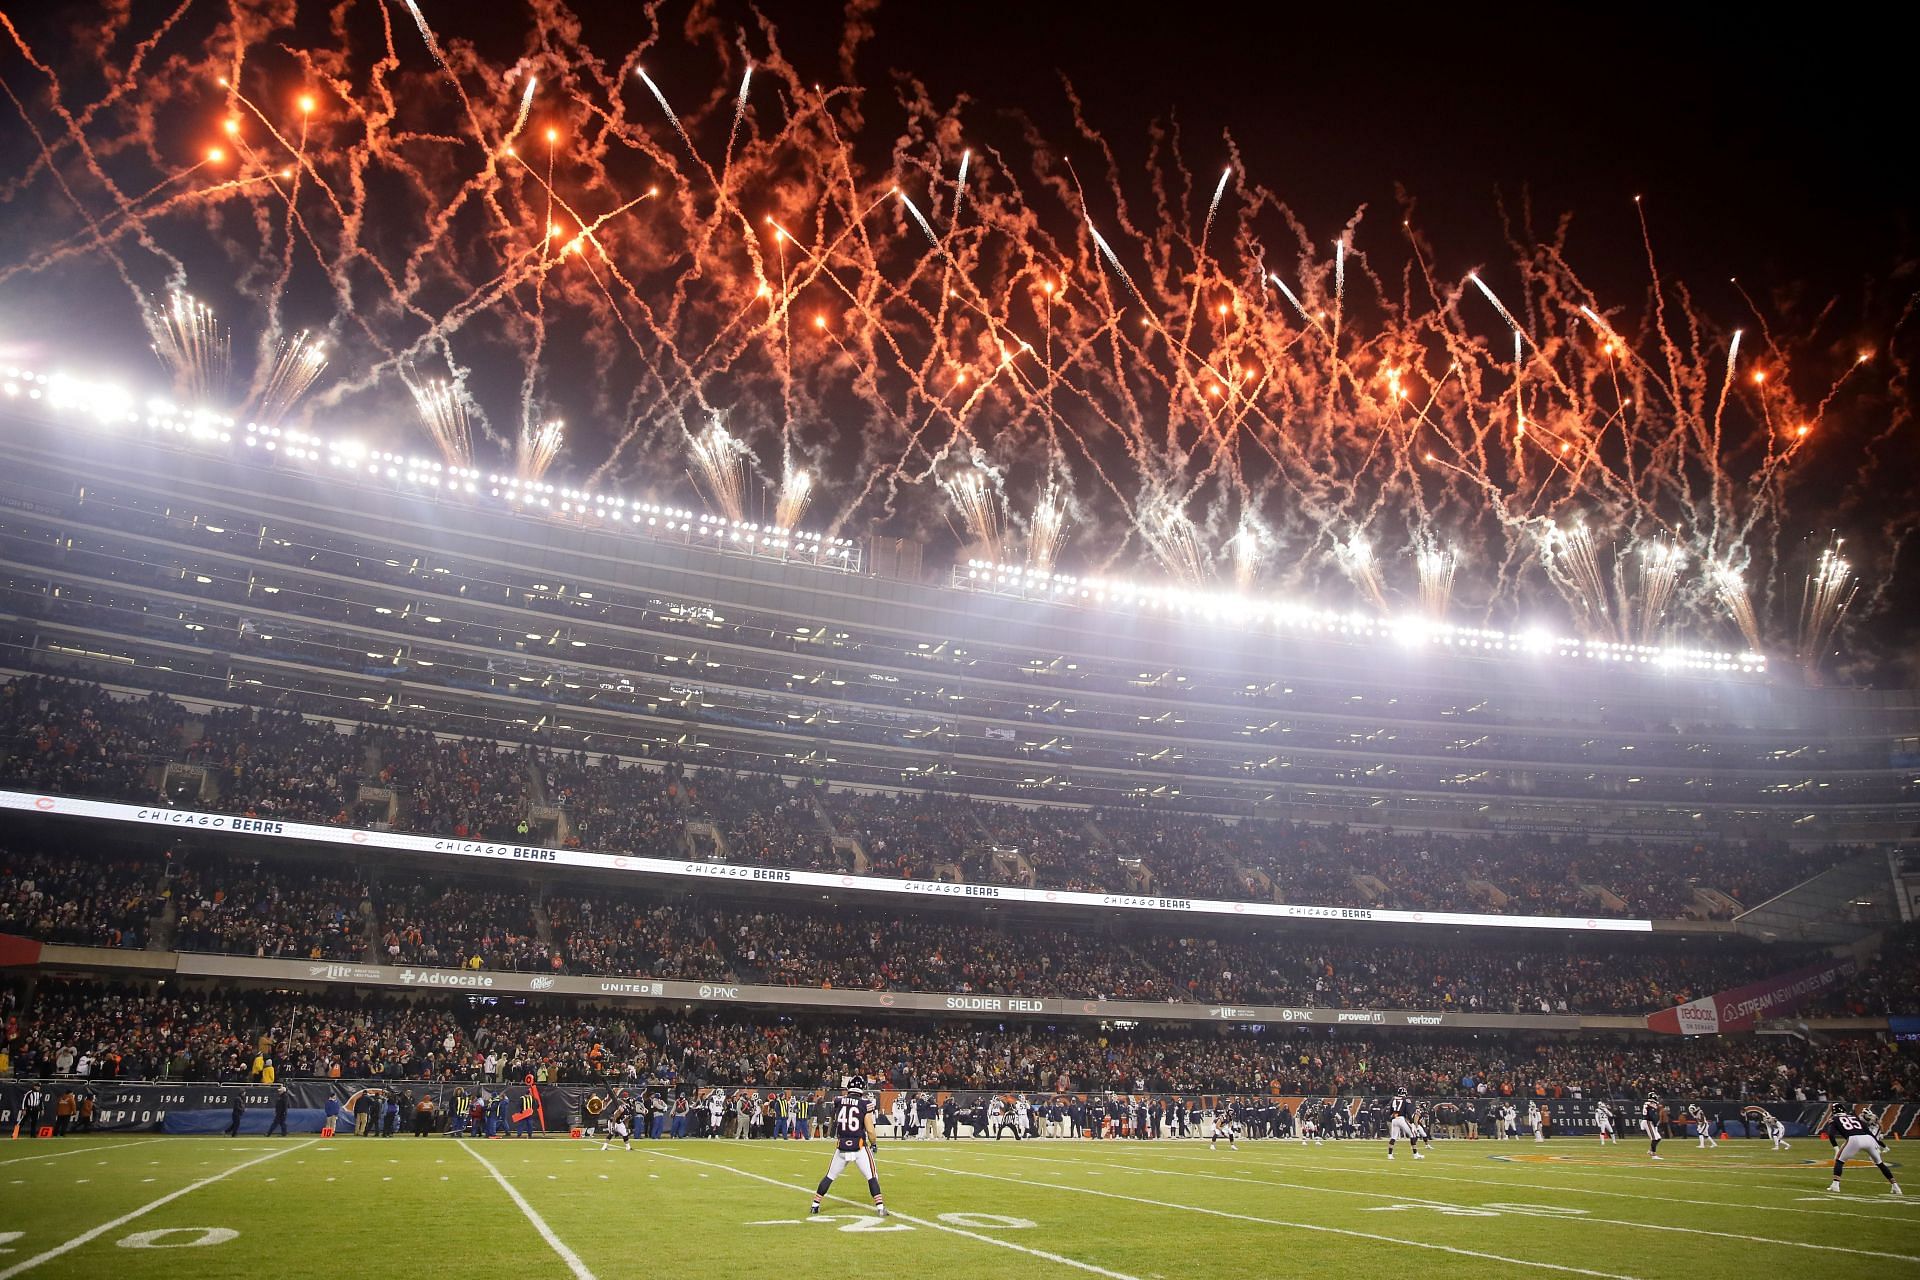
442 410
739 109
1047 530
536 448
1730 588
194 346
426 32
720 471
1362 567
782 291
1660 565
673 119
796 491
298 363
975 494
1248 549
1436 566
1174 540
1575 567
1830 588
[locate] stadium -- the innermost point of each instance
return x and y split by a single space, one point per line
616 860
349 775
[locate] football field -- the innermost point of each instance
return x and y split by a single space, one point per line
296 1208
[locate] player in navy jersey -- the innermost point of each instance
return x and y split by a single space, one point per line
1851 1136
1652 1117
849 1118
1400 1124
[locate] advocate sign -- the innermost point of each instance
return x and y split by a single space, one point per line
632 864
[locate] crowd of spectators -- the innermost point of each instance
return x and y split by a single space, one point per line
611 805
140 1033
279 763
72 737
429 921
874 951
287 907
472 788
630 935
83 902
69 738
763 821
267 909
906 834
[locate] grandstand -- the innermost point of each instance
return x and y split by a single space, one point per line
285 716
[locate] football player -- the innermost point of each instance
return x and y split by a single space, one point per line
1222 1128
1652 1116
620 1122
1603 1121
850 1117
1400 1124
1702 1125
1852 1136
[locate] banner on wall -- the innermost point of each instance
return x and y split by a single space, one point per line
1740 1008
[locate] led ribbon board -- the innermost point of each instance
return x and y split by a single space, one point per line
490 851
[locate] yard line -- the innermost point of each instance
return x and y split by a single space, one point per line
121 1221
1278 1222
1585 1217
74 1151
1429 1175
918 1222
554 1242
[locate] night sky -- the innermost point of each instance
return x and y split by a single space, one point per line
1775 152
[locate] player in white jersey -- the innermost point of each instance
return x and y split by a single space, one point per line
716 1112
1400 1124
1221 1126
1533 1121
1603 1121
620 1122
849 1120
1509 1124
1702 1125
1652 1117
1022 1116
1853 1136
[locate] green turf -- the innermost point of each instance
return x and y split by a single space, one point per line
1153 1211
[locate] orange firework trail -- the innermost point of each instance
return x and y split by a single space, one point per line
1198 378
